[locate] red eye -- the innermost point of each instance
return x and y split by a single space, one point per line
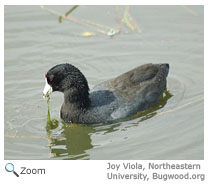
50 79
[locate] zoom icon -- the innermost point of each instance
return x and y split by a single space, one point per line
10 168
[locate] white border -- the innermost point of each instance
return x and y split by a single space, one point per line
104 2
87 172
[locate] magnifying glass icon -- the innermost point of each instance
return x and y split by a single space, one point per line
10 168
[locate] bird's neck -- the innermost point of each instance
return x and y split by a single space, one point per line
77 99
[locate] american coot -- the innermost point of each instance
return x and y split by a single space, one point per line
117 98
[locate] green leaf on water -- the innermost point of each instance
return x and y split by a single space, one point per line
67 13
88 34
60 19
71 10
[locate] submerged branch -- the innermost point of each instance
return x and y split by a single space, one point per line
128 19
189 10
97 27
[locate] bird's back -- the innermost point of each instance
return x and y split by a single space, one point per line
133 91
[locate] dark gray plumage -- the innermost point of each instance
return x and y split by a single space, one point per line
117 98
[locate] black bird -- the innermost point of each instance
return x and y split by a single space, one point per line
125 95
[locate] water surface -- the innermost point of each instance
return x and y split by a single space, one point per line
35 41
